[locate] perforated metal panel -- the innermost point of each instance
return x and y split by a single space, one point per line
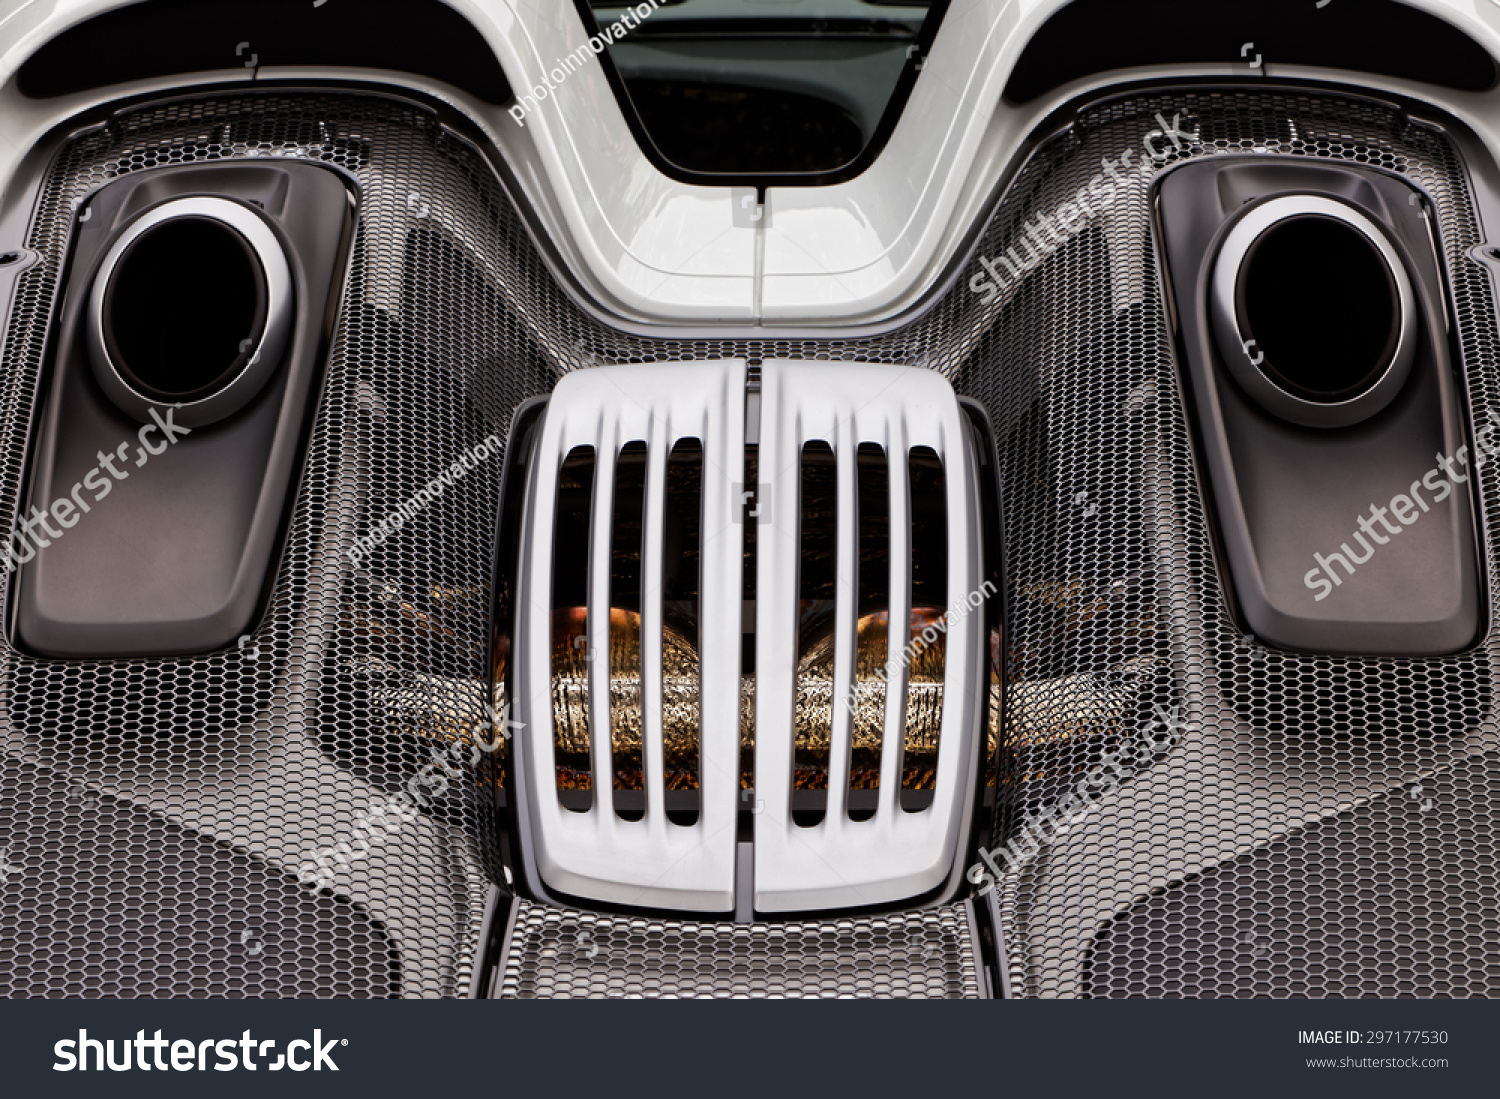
557 954
158 813
1313 827
451 317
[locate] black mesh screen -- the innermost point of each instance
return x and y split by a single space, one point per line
557 954
1372 902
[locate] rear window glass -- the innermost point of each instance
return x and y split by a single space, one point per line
756 91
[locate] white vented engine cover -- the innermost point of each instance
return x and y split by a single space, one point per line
840 862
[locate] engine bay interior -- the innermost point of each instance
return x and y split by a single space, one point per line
1110 620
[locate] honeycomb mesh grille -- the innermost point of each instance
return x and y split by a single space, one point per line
216 779
451 317
1323 826
1408 900
558 954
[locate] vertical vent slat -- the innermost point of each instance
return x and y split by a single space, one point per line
873 640
897 632
598 626
653 544
845 625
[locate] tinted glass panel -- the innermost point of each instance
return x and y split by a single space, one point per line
750 90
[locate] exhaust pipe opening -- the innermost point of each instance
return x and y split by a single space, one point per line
1313 311
186 305
1321 303
190 310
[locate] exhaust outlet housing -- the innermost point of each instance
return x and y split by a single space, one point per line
1313 311
190 310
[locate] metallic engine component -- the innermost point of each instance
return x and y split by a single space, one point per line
816 705
680 700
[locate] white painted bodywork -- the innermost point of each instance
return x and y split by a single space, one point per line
894 855
653 251
651 862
